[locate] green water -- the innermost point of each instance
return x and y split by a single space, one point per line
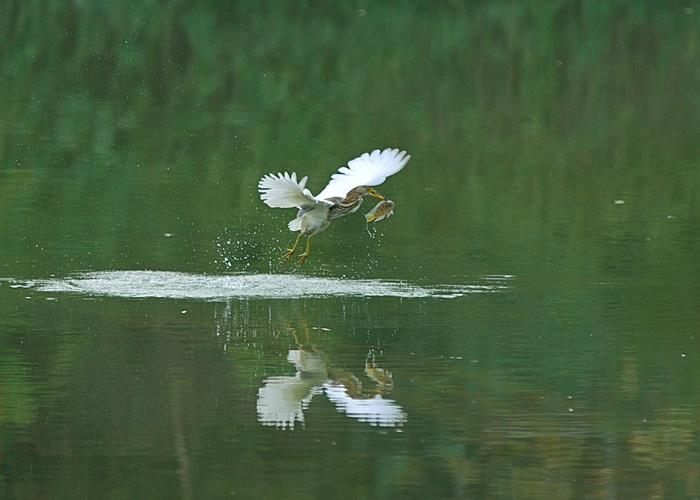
525 326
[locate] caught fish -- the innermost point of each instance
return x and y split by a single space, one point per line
382 210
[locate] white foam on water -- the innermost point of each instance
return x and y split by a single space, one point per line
175 285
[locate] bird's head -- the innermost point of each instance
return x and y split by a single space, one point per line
361 191
374 193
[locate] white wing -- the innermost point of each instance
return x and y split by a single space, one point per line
370 169
283 191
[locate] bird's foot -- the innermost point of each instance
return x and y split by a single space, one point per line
288 254
302 258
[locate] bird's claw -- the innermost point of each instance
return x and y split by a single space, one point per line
302 259
288 255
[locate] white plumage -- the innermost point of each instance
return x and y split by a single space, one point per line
370 169
283 191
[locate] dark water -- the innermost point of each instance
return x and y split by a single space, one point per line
525 326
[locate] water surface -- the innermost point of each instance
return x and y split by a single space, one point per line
525 325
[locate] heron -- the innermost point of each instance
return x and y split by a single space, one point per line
342 195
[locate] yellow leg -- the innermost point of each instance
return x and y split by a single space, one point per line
302 257
294 333
296 336
291 251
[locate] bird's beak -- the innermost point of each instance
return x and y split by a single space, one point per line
376 194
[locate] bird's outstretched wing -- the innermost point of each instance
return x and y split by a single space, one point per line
283 191
370 169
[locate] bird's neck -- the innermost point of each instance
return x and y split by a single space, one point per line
346 206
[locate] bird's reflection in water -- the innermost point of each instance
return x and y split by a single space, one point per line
282 400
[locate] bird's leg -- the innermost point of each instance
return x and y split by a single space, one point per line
291 251
303 256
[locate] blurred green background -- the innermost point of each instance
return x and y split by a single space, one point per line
126 121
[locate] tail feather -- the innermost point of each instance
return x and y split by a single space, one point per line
295 224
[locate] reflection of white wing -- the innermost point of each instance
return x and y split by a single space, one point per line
282 401
374 411
370 169
283 191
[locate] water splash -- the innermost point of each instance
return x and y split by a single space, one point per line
371 232
244 250
164 284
